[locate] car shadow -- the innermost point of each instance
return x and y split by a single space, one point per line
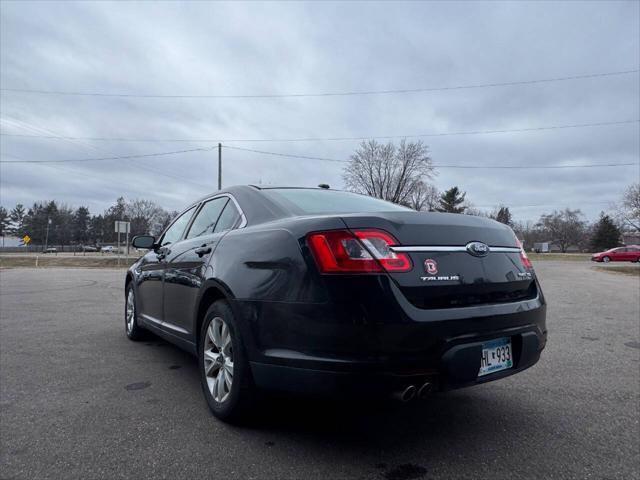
469 422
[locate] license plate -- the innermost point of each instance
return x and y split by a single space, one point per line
496 355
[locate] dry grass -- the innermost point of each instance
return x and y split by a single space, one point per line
568 257
29 261
633 270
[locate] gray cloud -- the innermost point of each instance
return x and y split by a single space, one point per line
255 48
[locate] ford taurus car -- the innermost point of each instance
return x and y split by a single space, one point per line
319 291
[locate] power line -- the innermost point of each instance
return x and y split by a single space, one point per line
306 157
324 139
324 159
118 157
148 170
134 163
536 204
327 94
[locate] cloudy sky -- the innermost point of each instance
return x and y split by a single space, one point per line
159 50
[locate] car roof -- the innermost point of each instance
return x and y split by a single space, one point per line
238 189
273 187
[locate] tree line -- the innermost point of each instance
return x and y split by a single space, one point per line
400 174
69 226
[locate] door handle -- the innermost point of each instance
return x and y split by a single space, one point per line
203 250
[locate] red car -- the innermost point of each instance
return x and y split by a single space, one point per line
620 254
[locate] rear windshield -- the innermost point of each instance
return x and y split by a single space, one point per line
307 201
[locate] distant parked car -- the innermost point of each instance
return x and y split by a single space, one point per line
620 254
88 248
50 250
108 249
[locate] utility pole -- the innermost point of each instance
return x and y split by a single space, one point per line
46 241
219 166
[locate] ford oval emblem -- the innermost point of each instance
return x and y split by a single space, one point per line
478 249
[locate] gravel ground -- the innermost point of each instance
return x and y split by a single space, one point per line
78 400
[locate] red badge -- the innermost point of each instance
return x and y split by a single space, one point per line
430 266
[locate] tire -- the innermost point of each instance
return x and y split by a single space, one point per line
606 259
133 331
225 374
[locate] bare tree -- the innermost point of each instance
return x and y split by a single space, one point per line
425 197
162 221
142 214
628 211
389 172
529 233
564 227
469 209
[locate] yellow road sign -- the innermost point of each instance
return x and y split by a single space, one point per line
26 239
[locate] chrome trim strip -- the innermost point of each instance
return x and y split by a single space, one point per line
160 323
174 327
427 249
151 319
420 248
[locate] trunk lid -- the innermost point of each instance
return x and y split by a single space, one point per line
445 274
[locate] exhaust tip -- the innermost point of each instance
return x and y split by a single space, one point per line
406 394
425 390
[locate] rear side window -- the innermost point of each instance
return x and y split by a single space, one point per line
308 201
207 217
175 231
229 218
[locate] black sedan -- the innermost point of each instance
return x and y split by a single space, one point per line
320 291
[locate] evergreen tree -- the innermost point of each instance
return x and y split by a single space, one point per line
115 212
17 220
81 220
4 222
503 215
63 227
97 229
452 201
606 234
36 220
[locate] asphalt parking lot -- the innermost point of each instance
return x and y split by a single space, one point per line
79 400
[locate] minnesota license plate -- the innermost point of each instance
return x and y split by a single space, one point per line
496 355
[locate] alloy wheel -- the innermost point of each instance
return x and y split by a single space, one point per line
130 311
218 359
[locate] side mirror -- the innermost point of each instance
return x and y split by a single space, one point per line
144 241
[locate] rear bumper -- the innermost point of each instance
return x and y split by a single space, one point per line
457 367
381 343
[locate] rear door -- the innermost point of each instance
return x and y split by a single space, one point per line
628 254
451 266
634 254
188 260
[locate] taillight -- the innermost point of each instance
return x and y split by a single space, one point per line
360 251
523 256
